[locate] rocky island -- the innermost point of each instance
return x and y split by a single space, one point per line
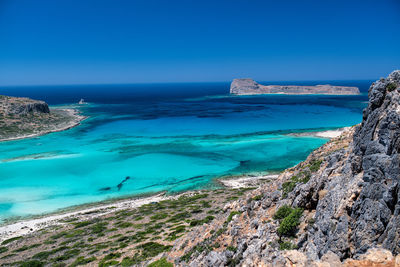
22 117
250 87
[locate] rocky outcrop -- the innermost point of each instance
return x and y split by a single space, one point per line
342 204
250 87
21 106
22 117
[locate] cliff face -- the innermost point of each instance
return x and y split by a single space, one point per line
250 87
21 106
376 212
341 206
361 208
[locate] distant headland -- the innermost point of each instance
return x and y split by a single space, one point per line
250 87
22 117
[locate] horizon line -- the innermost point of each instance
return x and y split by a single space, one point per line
193 82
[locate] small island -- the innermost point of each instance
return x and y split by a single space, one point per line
250 87
22 117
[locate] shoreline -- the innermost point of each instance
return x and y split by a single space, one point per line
25 226
246 181
30 225
70 111
322 134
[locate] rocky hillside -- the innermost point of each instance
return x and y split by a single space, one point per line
339 207
23 117
250 87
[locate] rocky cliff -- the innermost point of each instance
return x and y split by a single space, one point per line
21 106
339 207
250 87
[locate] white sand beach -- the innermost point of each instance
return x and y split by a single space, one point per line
323 134
27 226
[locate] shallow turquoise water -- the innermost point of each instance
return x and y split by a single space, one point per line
165 145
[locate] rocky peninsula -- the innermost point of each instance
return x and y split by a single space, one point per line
22 117
250 87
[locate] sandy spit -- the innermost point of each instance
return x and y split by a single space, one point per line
324 134
251 181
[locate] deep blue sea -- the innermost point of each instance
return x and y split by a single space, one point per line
147 138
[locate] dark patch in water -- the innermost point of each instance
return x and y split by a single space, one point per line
119 186
244 162
105 188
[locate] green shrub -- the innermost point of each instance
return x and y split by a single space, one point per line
82 224
58 235
68 255
205 204
306 178
159 216
289 224
315 165
128 262
179 217
257 198
82 261
283 212
112 256
233 213
288 187
123 224
152 249
99 227
391 86
230 248
23 248
161 263
199 248
11 240
301 177
286 246
3 249
108 263
42 255
207 219
33 263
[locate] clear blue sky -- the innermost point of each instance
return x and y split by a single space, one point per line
117 41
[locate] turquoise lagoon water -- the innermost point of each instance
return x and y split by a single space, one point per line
145 139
